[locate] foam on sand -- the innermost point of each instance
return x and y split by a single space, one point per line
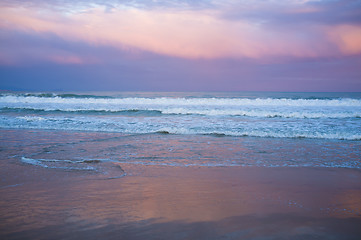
103 168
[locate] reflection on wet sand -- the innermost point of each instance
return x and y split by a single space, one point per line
170 200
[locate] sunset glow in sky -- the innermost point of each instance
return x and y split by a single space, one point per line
231 45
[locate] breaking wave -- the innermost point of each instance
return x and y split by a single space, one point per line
262 108
324 118
183 111
89 99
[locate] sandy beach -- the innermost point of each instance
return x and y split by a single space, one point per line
184 120
170 202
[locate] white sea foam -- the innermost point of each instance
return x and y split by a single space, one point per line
286 108
57 164
183 101
261 117
104 168
318 113
31 118
196 125
259 133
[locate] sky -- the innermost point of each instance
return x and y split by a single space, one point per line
157 45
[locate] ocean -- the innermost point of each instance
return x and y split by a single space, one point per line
266 129
244 165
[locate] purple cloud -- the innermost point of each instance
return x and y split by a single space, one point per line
180 45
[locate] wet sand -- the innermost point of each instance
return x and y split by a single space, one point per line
154 202
166 202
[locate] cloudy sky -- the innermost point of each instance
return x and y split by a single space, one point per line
205 45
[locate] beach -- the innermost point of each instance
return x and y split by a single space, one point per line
154 201
185 120
161 165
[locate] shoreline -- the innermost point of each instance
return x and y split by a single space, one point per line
169 202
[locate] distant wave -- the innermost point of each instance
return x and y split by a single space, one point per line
262 113
264 108
82 111
184 111
53 95
190 95
164 101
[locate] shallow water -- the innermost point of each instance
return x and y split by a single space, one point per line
95 152
72 185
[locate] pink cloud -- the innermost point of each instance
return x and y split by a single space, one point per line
185 34
347 38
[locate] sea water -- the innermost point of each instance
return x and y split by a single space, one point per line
265 129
